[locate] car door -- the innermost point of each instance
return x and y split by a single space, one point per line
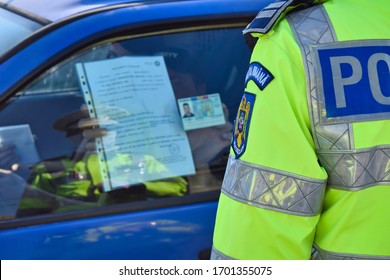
56 206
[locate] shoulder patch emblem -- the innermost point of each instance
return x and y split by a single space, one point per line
259 74
270 14
241 124
267 17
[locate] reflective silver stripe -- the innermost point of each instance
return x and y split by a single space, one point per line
311 27
355 170
268 188
348 169
218 255
320 254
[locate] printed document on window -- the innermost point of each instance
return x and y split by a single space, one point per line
132 98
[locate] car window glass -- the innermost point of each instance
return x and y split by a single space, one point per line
13 29
177 128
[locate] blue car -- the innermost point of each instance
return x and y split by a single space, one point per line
115 124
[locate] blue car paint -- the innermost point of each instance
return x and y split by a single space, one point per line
179 232
121 236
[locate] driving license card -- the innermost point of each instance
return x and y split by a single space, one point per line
201 111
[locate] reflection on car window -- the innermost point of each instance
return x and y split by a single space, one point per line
62 78
13 29
93 150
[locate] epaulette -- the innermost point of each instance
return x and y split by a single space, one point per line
270 15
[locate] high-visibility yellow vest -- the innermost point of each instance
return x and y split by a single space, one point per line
309 168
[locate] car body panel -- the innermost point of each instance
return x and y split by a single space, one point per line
153 234
181 230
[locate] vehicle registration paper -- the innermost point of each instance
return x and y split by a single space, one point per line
121 93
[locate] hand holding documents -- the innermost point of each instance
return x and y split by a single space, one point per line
209 141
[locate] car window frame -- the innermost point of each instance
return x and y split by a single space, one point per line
129 33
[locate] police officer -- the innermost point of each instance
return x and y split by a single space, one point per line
308 173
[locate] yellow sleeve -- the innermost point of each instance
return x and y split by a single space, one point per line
273 190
